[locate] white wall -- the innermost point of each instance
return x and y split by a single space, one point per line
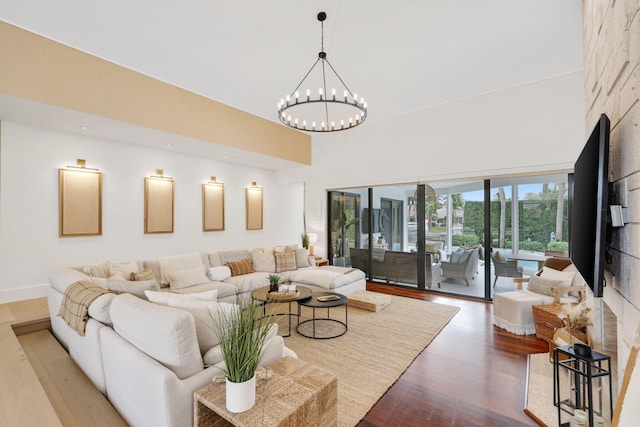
29 242
533 128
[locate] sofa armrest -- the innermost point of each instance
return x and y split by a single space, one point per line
519 281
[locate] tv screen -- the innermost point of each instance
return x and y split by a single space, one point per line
589 207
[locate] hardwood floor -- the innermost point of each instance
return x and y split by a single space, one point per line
472 374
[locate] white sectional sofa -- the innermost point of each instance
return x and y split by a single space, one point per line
127 350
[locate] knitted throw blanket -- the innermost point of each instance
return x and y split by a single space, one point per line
74 309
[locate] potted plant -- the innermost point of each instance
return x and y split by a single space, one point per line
242 333
274 282
305 240
575 318
558 249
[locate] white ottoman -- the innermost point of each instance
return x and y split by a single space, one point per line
512 311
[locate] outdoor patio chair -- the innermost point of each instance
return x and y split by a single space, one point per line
505 267
463 264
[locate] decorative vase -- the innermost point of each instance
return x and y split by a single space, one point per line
241 396
273 287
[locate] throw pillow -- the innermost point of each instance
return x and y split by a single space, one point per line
218 274
213 356
262 259
143 275
126 268
564 276
134 288
285 261
98 270
498 257
186 278
233 256
102 282
202 313
456 256
543 286
99 308
160 297
302 258
239 268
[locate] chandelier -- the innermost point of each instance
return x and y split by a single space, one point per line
317 110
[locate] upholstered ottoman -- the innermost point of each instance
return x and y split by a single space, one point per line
512 311
366 300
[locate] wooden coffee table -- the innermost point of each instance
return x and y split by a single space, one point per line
262 295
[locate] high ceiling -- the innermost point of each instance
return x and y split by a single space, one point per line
401 56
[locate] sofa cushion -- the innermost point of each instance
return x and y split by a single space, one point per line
166 334
238 268
328 277
203 313
219 273
225 290
145 274
136 288
302 258
234 256
179 279
285 261
214 259
154 266
60 278
160 297
170 264
566 277
263 260
249 282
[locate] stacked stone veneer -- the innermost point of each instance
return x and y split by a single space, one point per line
611 57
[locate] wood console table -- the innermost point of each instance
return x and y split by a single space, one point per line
297 393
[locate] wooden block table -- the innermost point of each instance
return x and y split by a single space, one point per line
296 394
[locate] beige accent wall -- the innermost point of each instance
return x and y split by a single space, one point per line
42 70
611 59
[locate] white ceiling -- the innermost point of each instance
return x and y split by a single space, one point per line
401 56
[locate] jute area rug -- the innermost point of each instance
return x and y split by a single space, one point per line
539 402
375 351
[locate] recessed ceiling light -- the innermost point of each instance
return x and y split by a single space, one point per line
168 145
84 127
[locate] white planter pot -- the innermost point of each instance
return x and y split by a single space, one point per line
241 396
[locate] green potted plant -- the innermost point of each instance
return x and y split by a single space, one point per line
242 333
305 240
558 249
274 282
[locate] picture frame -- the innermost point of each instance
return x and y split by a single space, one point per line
213 206
254 207
80 202
158 205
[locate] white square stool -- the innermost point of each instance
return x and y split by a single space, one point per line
512 311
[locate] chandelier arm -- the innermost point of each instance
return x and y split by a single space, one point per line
305 77
339 78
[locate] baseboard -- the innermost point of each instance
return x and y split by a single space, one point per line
23 293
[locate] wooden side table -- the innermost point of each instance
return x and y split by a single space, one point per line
297 393
321 261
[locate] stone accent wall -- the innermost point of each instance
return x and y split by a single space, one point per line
611 56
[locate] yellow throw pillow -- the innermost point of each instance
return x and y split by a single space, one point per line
241 267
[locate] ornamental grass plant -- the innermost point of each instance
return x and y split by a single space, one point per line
242 333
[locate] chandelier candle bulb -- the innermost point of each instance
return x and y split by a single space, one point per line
320 93
333 93
308 94
297 96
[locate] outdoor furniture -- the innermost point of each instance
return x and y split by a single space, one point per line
463 264
395 266
505 267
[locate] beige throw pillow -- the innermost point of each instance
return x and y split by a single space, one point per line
134 288
186 278
543 286
302 258
126 268
98 270
146 274
285 261
263 260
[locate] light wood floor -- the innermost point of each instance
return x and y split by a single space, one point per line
472 374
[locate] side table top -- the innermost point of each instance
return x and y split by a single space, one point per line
260 294
313 301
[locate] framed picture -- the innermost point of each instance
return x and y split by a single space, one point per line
212 206
158 205
80 200
254 208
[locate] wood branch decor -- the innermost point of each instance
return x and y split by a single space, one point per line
158 204
213 205
254 207
80 200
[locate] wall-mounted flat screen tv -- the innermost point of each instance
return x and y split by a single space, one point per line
589 207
